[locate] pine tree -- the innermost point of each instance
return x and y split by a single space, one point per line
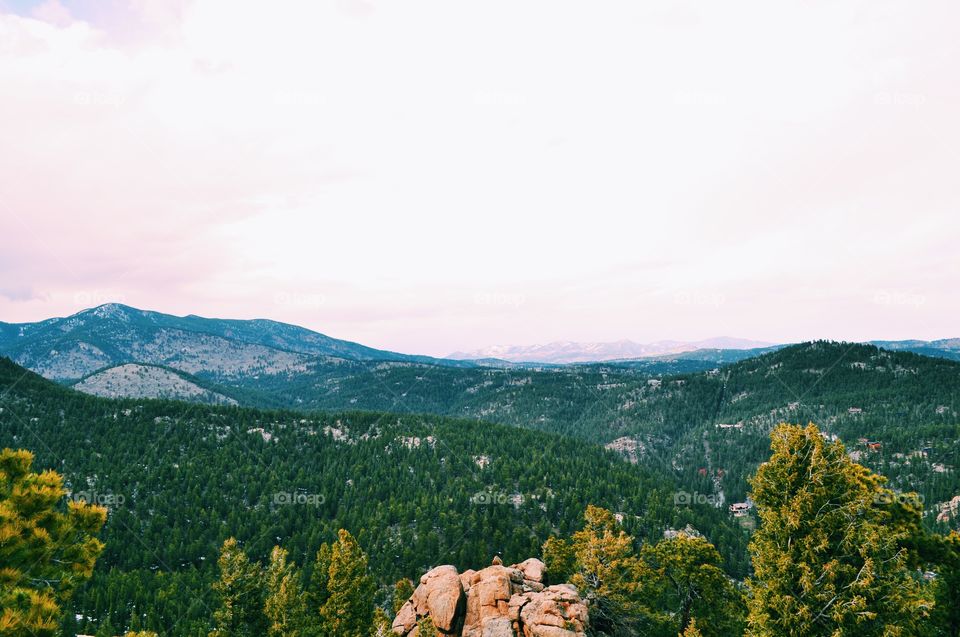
426 628
46 549
946 587
688 582
318 589
381 623
402 591
608 573
285 602
827 561
348 611
693 631
560 560
241 593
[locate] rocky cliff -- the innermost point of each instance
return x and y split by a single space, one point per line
497 601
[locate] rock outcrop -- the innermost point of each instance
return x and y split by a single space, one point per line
497 601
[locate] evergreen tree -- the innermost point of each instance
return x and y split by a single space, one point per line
318 590
608 573
426 628
285 602
240 589
348 610
402 591
381 623
946 587
689 583
46 548
827 561
560 560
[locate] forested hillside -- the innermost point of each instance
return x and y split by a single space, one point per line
710 427
415 490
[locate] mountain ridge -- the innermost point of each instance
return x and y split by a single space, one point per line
72 347
566 352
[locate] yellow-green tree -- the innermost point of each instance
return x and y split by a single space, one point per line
658 591
47 547
426 628
285 603
241 592
600 560
946 587
687 582
828 558
402 591
381 623
348 610
560 560
318 589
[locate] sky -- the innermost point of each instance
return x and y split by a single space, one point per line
432 176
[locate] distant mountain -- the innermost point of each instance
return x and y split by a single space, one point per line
573 352
942 348
67 349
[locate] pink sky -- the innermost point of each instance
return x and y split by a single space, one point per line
434 176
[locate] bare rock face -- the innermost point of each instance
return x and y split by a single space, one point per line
497 601
439 595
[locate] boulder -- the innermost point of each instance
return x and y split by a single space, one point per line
532 569
497 601
406 619
440 595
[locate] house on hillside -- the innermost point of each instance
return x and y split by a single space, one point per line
873 445
855 411
741 509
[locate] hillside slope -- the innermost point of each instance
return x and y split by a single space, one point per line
415 490
693 424
73 347
132 380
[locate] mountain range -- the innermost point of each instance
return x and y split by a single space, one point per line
562 352
114 350
283 409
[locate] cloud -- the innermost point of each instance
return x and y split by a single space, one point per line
53 12
400 160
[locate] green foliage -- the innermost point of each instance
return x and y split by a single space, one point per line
381 623
241 593
402 591
319 591
659 590
348 611
285 603
690 585
46 549
192 475
425 628
560 560
946 588
827 559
